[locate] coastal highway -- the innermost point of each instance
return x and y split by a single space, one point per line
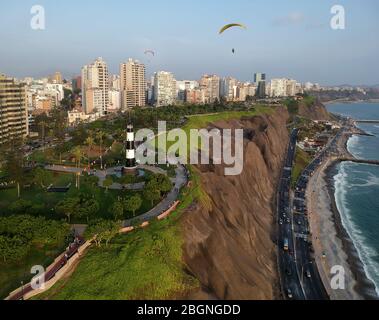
300 279
290 280
311 281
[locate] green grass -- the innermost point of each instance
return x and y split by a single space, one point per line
48 201
202 121
302 160
12 274
145 264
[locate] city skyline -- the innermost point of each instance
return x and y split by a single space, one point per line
293 40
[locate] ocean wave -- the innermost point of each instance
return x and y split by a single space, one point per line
353 145
366 253
371 181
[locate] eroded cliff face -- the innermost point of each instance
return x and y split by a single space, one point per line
229 244
316 111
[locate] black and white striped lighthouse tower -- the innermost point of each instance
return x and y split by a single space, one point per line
130 164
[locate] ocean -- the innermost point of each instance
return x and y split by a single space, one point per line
357 188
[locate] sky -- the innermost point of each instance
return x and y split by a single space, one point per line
284 38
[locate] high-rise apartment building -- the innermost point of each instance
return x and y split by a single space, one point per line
184 86
260 82
13 110
95 84
164 88
133 84
228 88
57 78
283 88
211 84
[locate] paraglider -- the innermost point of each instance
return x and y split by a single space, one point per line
231 25
150 52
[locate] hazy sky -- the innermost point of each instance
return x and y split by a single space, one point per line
291 38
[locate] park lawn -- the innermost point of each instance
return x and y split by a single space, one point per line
37 195
145 264
12 274
302 160
48 200
202 121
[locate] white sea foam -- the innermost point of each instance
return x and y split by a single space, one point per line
365 252
372 181
353 145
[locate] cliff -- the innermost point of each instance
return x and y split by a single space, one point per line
313 110
229 244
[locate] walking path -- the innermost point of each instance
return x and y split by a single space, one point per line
52 270
103 174
180 180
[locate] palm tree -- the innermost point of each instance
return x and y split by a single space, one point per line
43 125
100 136
78 154
89 142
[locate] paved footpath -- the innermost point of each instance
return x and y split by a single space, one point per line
179 181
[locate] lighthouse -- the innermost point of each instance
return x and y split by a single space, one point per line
130 164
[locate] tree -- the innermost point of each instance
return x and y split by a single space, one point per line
89 142
68 207
78 154
107 183
100 136
92 180
14 164
118 211
59 120
133 204
152 192
41 177
20 206
89 208
164 183
101 230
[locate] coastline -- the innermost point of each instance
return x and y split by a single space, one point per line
330 236
350 101
363 286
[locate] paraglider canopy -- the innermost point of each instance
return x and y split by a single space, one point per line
231 25
150 52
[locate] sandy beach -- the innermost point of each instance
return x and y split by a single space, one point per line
332 245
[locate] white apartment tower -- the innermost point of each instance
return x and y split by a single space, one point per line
164 88
133 84
211 84
95 87
283 88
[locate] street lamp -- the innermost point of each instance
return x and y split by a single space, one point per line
22 290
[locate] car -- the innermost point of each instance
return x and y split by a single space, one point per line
288 272
308 274
299 222
288 220
289 294
281 222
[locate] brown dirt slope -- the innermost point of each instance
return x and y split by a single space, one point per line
229 246
314 111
